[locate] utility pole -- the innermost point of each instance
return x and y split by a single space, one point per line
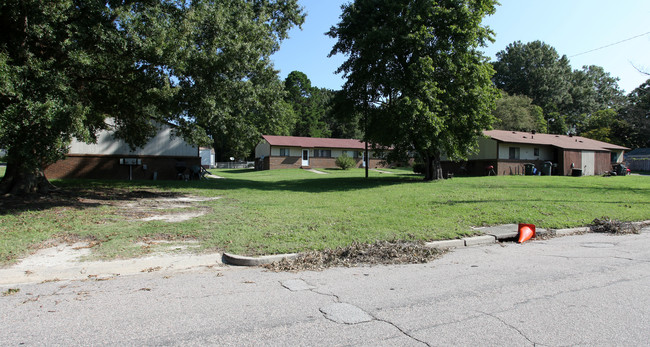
365 158
365 130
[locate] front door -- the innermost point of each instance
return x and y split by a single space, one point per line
588 163
305 157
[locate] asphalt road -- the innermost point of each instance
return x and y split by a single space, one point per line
576 290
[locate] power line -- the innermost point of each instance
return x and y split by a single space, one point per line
611 44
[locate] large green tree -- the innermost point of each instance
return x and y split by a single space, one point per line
416 75
343 118
68 65
592 89
606 125
310 105
637 115
517 112
319 112
568 98
536 70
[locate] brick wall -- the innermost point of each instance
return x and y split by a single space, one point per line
284 163
314 162
468 168
515 167
501 167
108 167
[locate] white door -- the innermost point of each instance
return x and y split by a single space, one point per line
588 163
305 157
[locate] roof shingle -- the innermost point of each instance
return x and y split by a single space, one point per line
561 141
312 142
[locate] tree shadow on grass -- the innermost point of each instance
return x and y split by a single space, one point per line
82 194
79 197
591 185
319 184
550 201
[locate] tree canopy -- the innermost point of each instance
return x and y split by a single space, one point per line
637 115
567 97
66 66
605 125
318 112
536 70
309 104
415 74
517 113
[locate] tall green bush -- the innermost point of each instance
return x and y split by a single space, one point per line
345 162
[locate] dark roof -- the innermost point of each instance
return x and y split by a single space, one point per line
641 152
312 142
561 141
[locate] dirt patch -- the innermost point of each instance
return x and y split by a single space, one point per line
82 198
150 206
360 254
78 198
136 205
171 210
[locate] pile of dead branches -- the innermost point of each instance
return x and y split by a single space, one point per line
359 254
612 226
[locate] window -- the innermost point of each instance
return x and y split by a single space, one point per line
536 152
322 153
285 152
514 153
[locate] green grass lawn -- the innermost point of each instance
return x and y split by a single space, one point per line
262 212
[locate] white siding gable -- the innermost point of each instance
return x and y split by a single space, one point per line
162 144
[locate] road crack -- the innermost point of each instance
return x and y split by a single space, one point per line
337 299
511 327
404 332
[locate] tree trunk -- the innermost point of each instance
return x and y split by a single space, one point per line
432 168
20 181
428 168
437 168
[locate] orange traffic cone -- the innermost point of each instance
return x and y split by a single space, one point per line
526 232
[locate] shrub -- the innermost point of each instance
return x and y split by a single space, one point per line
418 168
345 162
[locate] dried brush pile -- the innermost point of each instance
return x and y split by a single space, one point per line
612 226
359 254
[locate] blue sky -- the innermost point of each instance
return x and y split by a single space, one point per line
571 26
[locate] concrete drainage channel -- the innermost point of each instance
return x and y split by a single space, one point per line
500 233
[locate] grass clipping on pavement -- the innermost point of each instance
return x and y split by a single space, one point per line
359 254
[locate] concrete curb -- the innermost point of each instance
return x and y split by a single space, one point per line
503 233
234 259
492 236
446 244
571 231
479 240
